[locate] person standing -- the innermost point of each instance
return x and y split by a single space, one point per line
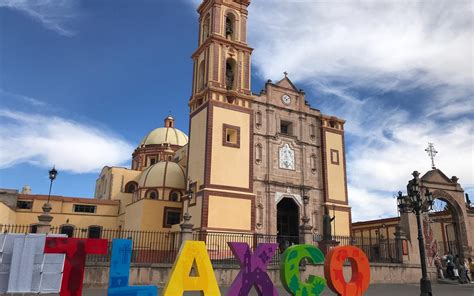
471 268
439 266
450 266
467 271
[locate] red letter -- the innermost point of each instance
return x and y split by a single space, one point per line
360 271
75 250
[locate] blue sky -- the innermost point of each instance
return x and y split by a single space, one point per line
81 82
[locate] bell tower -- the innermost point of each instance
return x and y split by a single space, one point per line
220 165
222 60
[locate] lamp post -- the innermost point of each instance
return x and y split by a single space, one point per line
52 175
45 218
415 203
186 226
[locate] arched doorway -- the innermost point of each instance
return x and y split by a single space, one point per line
287 223
443 227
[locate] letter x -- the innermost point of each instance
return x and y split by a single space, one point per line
253 269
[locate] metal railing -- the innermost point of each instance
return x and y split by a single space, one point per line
148 246
221 254
377 250
163 247
13 228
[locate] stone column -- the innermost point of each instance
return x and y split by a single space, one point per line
306 229
186 228
44 225
400 237
409 227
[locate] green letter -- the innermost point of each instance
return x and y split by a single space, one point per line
290 272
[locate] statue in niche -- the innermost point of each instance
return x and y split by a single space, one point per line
228 27
229 76
327 220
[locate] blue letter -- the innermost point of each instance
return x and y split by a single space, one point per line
120 270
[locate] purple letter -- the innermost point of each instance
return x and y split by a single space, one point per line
253 269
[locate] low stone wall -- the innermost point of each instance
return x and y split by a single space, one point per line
96 275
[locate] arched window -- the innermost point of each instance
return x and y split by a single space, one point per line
152 160
131 187
175 196
229 26
152 194
205 28
258 119
201 73
230 74
67 229
258 153
94 231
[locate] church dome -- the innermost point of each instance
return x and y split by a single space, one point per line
163 174
165 135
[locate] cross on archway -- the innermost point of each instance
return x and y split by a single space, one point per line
431 153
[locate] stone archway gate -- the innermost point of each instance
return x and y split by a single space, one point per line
450 191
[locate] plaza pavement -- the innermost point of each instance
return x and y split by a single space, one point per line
374 290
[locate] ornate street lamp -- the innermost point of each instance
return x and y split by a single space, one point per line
45 218
189 193
415 203
52 175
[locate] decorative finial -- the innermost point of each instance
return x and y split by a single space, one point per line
431 153
286 74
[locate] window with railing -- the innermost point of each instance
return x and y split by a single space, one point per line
84 209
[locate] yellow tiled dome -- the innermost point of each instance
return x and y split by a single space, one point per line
163 135
163 174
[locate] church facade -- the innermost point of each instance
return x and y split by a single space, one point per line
253 163
265 163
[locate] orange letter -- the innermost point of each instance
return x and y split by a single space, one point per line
360 271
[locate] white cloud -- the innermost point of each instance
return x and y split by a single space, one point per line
53 14
425 42
49 140
367 205
5 95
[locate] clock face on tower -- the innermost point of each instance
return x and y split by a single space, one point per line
287 158
285 99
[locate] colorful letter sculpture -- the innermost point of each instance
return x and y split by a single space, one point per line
76 250
24 268
253 269
120 271
180 281
360 271
290 270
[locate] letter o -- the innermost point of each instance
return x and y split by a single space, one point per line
333 271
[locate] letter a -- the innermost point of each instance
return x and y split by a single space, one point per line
180 281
